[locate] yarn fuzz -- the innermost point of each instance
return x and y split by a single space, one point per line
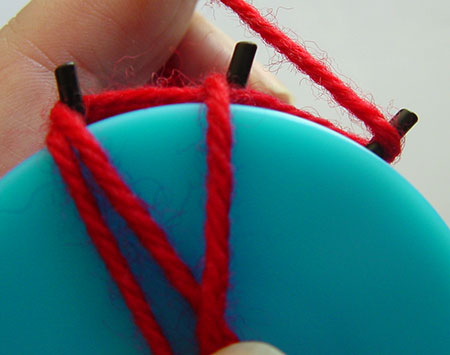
75 149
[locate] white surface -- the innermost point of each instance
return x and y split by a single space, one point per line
396 50
8 8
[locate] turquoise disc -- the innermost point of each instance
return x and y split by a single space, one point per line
332 250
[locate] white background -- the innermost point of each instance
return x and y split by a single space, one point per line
396 50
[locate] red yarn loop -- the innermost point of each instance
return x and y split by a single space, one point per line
112 103
73 146
68 135
365 111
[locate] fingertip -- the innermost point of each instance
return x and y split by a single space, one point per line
249 348
114 43
266 82
206 49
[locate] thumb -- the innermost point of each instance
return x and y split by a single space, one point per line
98 34
112 42
249 348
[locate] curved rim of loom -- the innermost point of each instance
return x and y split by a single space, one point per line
99 126
402 187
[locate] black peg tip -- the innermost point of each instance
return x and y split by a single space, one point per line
69 87
376 148
241 63
403 121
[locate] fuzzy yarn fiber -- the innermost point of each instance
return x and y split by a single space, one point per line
73 147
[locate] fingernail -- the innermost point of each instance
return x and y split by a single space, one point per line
249 348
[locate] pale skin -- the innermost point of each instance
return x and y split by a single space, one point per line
115 43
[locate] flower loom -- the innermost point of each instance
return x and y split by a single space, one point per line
284 228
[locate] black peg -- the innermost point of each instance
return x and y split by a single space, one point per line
403 121
241 63
69 87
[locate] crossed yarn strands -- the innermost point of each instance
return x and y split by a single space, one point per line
73 147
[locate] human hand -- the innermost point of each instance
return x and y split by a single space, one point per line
249 348
114 44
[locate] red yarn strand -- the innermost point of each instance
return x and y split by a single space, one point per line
219 184
259 99
321 75
112 103
105 243
152 237
108 104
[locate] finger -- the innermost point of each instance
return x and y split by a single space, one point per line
249 348
113 42
207 49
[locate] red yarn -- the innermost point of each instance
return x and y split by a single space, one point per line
72 145
112 103
383 132
101 236
126 204
69 133
219 185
